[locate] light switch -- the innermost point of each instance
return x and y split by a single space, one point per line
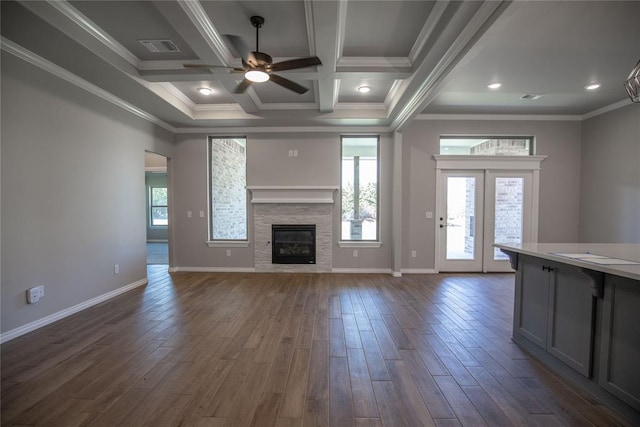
201 214
189 214
429 215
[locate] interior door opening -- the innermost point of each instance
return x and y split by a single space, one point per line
157 209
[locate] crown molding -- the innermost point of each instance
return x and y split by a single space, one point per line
373 62
606 109
502 117
48 66
203 24
429 26
234 131
79 19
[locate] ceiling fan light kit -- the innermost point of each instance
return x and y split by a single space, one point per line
258 66
632 84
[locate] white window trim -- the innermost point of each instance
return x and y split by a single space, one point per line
228 243
359 243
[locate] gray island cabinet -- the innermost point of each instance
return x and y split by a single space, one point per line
577 310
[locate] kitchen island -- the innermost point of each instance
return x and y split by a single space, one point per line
577 310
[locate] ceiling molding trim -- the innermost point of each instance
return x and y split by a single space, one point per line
311 31
355 106
472 30
203 24
217 107
90 27
393 91
289 106
373 62
222 131
48 66
178 94
342 28
606 109
428 28
500 117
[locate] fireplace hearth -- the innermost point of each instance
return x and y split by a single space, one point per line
293 244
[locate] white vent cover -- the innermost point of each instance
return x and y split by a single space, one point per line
531 96
157 46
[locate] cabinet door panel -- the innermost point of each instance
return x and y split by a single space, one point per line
571 318
532 301
620 351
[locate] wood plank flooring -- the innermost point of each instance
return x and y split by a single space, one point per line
233 349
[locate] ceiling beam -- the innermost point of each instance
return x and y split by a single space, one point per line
190 20
327 29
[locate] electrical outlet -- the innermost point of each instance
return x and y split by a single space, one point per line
116 269
33 295
295 153
355 254
201 214
40 291
228 252
290 153
413 254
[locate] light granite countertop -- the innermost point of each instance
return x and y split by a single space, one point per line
593 256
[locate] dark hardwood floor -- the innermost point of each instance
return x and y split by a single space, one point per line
233 349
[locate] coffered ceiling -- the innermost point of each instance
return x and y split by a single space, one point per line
417 57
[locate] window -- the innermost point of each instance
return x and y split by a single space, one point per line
227 188
359 188
487 145
158 206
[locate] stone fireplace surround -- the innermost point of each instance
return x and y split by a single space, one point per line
293 205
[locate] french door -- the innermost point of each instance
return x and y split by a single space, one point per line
478 208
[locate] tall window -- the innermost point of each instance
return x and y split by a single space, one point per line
158 206
487 145
227 184
359 188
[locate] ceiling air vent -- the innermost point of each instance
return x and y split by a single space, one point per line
157 46
531 96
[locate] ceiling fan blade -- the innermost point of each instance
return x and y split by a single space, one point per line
244 85
241 48
288 84
296 63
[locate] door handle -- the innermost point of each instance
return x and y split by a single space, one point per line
443 226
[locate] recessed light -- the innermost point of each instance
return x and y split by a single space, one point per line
364 89
494 85
592 86
205 90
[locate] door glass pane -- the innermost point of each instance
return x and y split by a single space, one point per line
461 206
509 213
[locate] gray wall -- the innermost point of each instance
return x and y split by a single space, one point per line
610 193
559 179
73 193
268 164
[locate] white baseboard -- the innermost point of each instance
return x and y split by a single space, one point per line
212 269
419 271
362 270
21 330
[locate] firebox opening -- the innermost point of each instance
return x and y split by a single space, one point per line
293 244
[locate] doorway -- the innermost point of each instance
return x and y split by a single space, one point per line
480 206
157 208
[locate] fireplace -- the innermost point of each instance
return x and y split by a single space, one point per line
293 244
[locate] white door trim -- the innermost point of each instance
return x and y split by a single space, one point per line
487 163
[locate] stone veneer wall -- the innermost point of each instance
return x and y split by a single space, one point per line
320 214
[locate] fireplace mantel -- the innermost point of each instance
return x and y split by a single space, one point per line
292 194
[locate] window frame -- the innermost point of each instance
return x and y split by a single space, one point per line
224 243
374 243
151 206
530 138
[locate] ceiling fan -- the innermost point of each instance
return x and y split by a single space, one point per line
259 67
